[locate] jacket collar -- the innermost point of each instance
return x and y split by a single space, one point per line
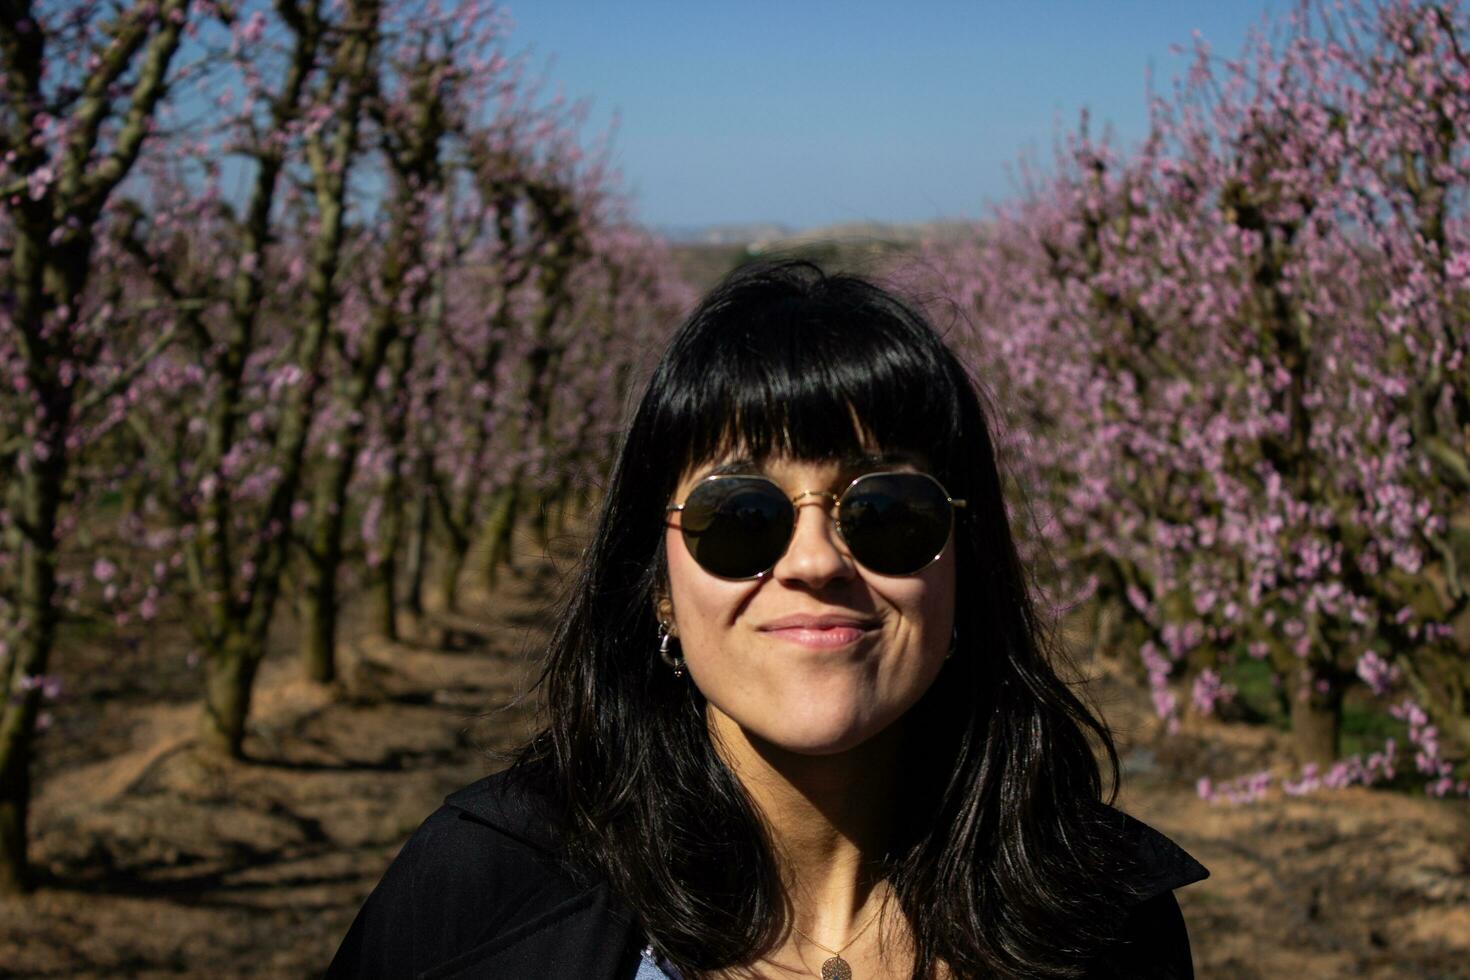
512 807
591 934
1155 864
587 932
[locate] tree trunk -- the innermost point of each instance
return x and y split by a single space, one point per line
15 800
330 167
229 679
449 574
319 638
41 501
498 529
329 509
323 560
385 577
1316 717
541 523
418 549
399 360
45 275
385 605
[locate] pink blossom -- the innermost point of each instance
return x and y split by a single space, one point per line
1376 672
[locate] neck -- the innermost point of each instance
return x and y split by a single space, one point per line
828 817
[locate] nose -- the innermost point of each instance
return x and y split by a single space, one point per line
816 554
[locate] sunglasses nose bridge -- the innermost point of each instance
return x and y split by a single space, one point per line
831 557
800 498
826 498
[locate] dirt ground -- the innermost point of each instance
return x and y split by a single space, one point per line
158 862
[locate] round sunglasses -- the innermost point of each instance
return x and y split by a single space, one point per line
738 526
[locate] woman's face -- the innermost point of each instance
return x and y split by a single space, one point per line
813 691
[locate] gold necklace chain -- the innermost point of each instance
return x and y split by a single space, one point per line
837 968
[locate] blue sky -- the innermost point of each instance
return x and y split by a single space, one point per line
809 112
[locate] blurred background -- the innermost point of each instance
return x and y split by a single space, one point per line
318 321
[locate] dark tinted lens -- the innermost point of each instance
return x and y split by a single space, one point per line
895 523
736 527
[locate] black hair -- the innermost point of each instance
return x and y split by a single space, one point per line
997 860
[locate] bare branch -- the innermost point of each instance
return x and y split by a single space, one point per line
150 87
125 377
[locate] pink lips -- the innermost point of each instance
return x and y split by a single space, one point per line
820 632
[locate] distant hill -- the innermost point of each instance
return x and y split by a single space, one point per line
769 233
730 234
852 231
706 254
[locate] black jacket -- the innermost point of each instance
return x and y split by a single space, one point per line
477 892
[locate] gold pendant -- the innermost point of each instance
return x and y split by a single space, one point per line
836 969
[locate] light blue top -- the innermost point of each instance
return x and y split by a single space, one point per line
650 967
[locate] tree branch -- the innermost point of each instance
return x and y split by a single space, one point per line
125 377
150 87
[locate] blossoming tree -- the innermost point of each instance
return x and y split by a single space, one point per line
82 84
1238 363
261 265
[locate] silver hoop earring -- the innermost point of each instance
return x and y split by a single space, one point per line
664 636
954 641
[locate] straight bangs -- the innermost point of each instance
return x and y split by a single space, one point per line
761 371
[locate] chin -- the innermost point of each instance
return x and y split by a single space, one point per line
818 733
817 714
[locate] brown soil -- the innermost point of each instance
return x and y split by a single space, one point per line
160 862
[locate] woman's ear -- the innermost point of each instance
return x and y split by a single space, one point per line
664 609
663 601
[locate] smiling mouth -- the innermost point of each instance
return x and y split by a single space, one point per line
821 637
819 632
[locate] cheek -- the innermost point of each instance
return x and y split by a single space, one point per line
683 589
939 603
932 611
702 603
927 602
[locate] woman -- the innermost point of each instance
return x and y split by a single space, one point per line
800 720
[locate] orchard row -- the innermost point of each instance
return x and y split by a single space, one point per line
1234 364
285 286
